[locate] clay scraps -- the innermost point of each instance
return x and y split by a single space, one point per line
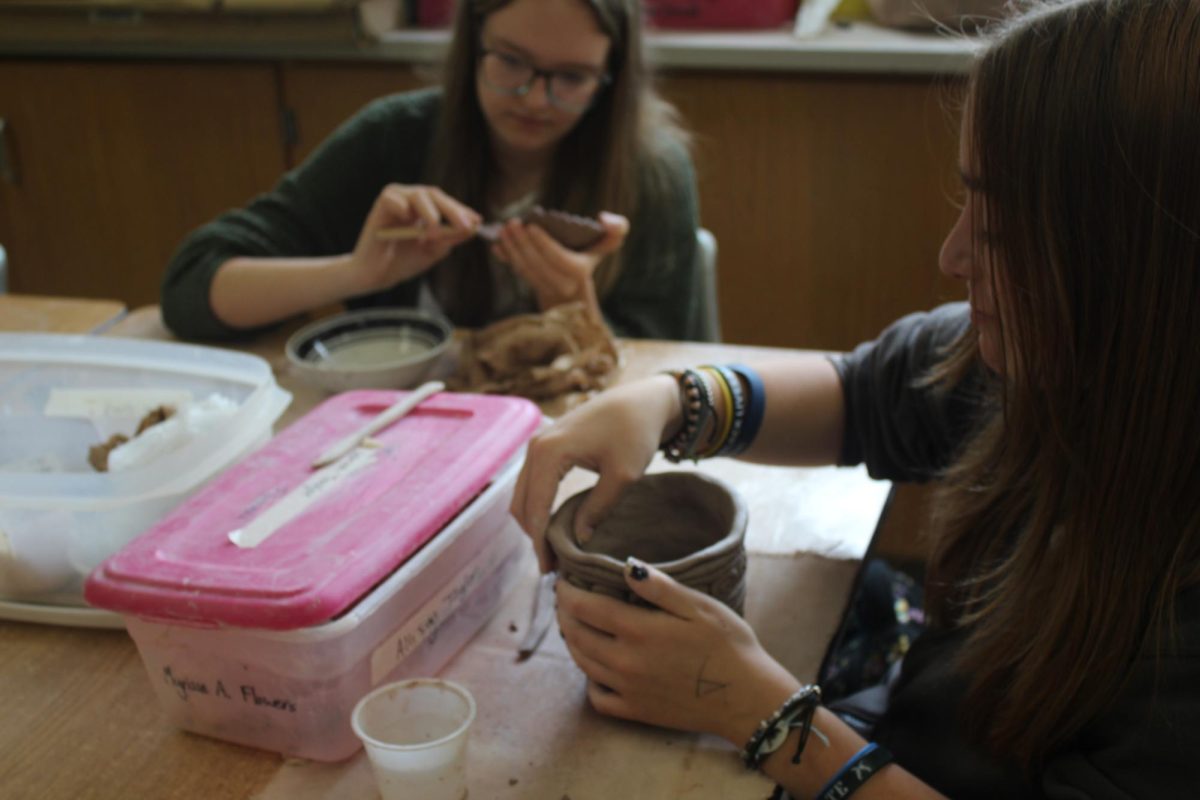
539 356
98 453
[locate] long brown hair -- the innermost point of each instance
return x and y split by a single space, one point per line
1071 522
612 160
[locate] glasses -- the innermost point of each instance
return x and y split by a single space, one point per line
568 89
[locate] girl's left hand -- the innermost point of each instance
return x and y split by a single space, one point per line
690 664
557 274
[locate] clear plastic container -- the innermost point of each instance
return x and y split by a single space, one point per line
267 604
59 518
293 692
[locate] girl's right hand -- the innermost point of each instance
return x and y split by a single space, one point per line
378 264
614 435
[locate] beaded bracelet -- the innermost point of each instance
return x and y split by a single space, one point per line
855 772
697 410
796 712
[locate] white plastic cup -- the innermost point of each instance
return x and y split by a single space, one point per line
415 735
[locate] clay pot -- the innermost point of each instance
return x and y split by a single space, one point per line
686 524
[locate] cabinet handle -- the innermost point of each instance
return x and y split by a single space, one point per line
8 166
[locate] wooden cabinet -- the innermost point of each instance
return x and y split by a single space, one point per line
114 162
829 194
319 97
829 197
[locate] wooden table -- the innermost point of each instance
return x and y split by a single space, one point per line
25 312
80 720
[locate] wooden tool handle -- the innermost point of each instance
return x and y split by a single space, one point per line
410 232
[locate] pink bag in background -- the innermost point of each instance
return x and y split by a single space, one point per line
718 14
930 13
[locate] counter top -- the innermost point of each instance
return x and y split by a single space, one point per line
858 47
81 720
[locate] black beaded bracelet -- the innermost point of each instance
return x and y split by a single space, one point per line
698 409
796 712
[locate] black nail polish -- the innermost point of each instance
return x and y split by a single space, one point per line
638 572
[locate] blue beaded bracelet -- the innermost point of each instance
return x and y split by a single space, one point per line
857 771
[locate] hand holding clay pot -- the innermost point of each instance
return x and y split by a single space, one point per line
557 254
686 662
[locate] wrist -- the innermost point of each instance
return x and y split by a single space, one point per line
348 279
670 405
768 695
585 293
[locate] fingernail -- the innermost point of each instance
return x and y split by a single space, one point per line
636 569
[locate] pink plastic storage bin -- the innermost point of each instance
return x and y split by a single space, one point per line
736 14
379 566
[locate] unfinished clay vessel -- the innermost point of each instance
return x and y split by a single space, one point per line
570 230
686 524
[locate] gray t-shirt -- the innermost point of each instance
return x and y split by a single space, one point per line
1144 745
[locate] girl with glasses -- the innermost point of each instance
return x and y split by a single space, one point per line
1058 408
543 103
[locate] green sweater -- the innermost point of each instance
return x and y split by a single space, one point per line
318 209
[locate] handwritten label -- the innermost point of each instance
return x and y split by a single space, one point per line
424 623
295 502
99 403
187 687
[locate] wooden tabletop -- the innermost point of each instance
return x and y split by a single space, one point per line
31 313
80 719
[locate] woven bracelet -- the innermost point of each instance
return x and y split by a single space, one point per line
739 411
796 712
721 420
756 405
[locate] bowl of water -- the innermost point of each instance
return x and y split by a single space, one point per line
381 348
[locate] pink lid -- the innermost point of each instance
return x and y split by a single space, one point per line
314 541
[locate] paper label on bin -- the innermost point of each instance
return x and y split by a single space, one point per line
424 623
297 501
99 403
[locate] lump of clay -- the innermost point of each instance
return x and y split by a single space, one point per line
570 230
539 356
98 454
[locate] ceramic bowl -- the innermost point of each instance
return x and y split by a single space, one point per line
686 524
385 348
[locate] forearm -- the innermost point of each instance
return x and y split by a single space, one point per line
249 292
803 417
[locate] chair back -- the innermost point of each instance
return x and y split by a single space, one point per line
706 268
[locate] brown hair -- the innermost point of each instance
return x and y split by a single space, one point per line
612 160
1072 520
